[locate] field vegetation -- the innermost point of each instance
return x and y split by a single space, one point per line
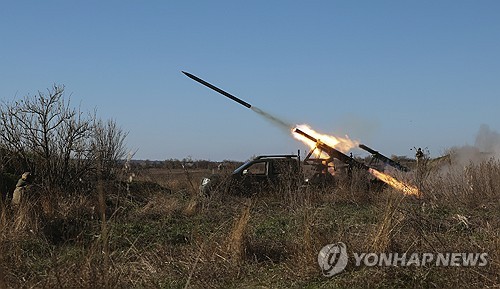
158 232
119 224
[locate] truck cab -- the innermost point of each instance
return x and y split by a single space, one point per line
259 174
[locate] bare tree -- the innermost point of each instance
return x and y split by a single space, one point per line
108 146
60 144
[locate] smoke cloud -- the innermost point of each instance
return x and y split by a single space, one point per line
488 140
486 146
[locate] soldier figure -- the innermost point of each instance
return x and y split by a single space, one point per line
20 188
419 155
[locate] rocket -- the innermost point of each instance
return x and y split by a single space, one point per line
226 94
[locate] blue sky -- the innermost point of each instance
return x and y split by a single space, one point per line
391 74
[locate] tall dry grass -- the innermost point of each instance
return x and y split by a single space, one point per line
389 221
236 241
120 240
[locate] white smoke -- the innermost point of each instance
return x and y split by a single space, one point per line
488 141
486 146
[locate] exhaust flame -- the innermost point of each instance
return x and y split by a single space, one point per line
344 145
400 186
339 143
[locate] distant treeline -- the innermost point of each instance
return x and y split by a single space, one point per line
186 163
189 163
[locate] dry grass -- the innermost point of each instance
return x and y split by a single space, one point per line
163 235
236 241
389 222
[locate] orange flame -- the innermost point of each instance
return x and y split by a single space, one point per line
339 143
400 186
344 145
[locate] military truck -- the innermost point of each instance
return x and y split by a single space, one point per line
256 175
270 172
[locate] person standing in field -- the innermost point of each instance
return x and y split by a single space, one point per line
419 155
21 188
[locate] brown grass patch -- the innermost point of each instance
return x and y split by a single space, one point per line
236 242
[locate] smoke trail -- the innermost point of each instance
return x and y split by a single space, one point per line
274 120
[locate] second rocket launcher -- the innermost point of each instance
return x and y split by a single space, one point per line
384 159
333 153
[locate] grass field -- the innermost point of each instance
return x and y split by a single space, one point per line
159 233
